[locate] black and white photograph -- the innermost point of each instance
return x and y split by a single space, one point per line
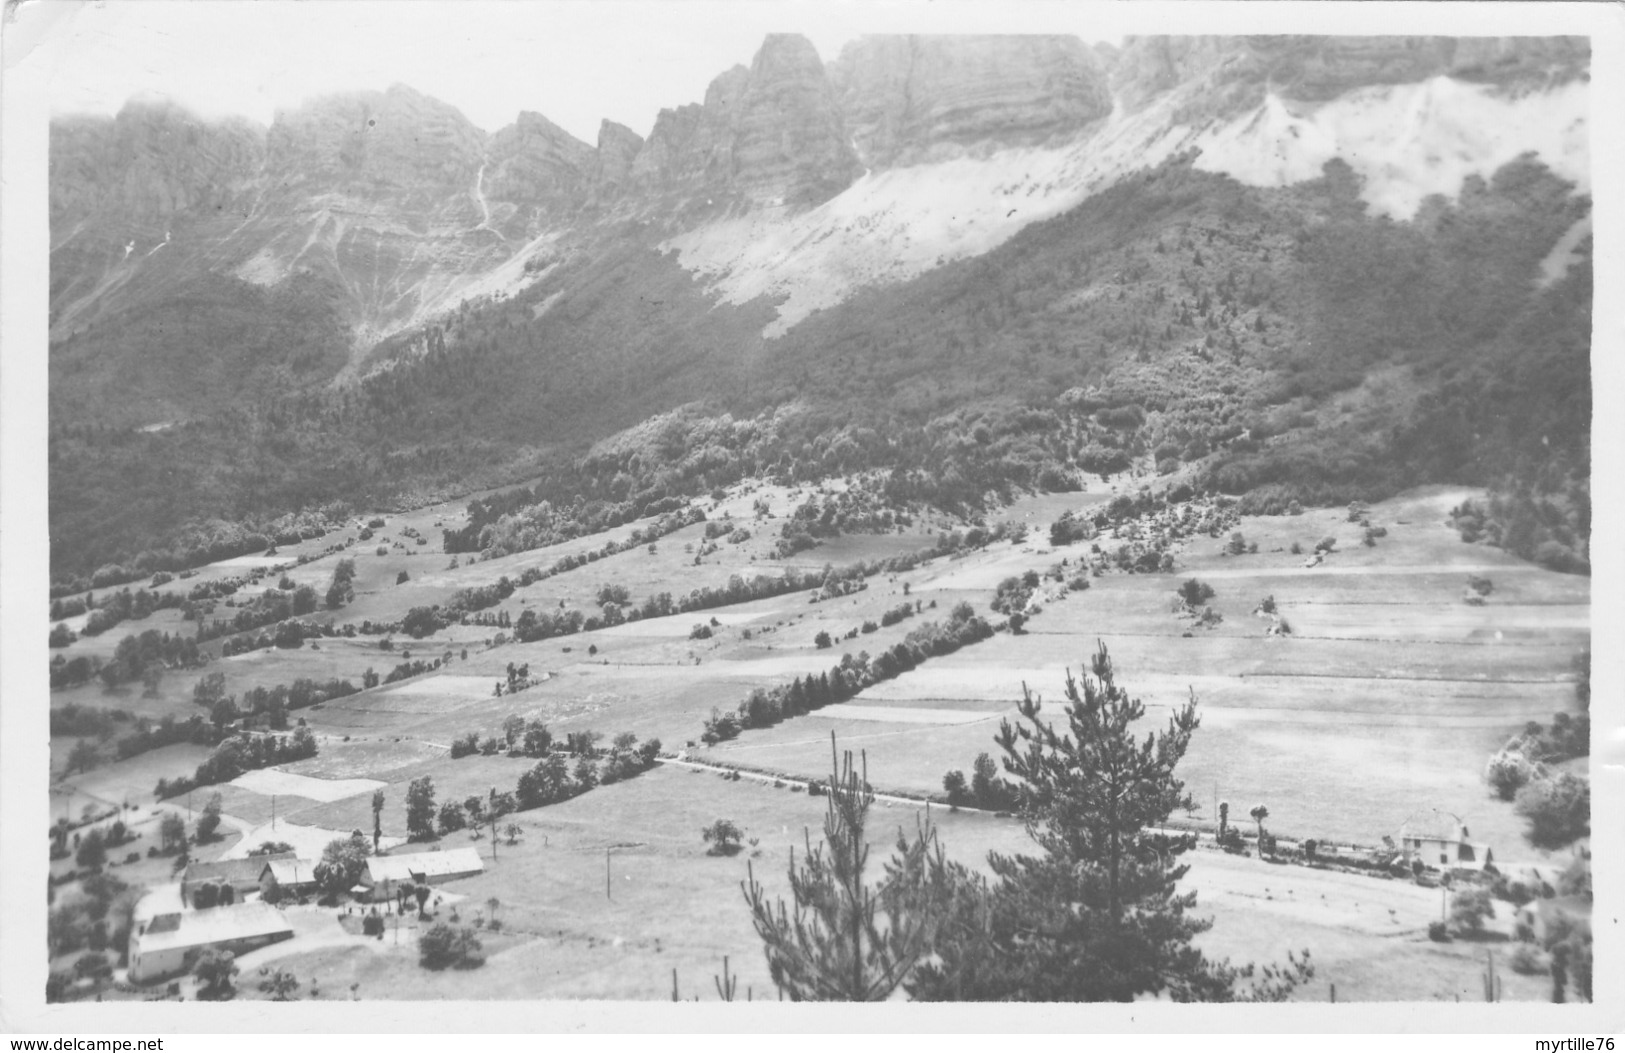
664 502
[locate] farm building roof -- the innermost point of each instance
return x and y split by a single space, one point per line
424 865
291 872
202 928
236 871
1435 825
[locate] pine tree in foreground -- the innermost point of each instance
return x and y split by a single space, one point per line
844 941
1097 916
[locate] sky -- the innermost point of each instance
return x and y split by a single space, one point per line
577 61
574 62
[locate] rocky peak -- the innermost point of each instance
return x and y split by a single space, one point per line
534 162
618 147
914 98
772 132
791 140
398 138
147 164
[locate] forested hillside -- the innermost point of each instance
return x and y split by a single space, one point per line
1282 343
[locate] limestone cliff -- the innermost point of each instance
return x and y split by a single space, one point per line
915 98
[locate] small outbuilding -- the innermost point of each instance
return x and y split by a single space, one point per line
170 944
385 874
297 876
240 875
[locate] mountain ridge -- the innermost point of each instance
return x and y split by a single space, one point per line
392 318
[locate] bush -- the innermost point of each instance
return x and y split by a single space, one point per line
1195 593
445 946
1558 810
1438 932
1526 961
1468 910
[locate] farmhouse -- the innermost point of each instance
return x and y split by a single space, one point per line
1439 839
170 943
385 874
241 875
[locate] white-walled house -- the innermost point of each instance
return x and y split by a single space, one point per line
1440 840
170 944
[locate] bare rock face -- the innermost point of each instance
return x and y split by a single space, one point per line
914 98
618 147
790 140
1226 74
397 140
536 168
149 163
773 133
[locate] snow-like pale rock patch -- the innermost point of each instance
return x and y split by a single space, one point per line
1406 141
268 781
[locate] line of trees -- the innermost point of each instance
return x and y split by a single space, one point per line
768 706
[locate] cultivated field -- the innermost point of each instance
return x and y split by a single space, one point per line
1383 701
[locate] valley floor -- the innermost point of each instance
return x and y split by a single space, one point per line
1382 704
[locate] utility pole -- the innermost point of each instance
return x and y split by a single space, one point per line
607 893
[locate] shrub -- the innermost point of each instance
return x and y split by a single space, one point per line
1558 810
446 946
1326 544
1438 932
1195 593
700 631
1526 961
1469 908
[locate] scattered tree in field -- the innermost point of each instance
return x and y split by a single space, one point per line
1468 910
1510 771
723 836
82 757
844 941
1195 593
420 813
822 640
215 971
377 818
1557 809
1259 814
92 851
452 817
171 831
208 824
1097 916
